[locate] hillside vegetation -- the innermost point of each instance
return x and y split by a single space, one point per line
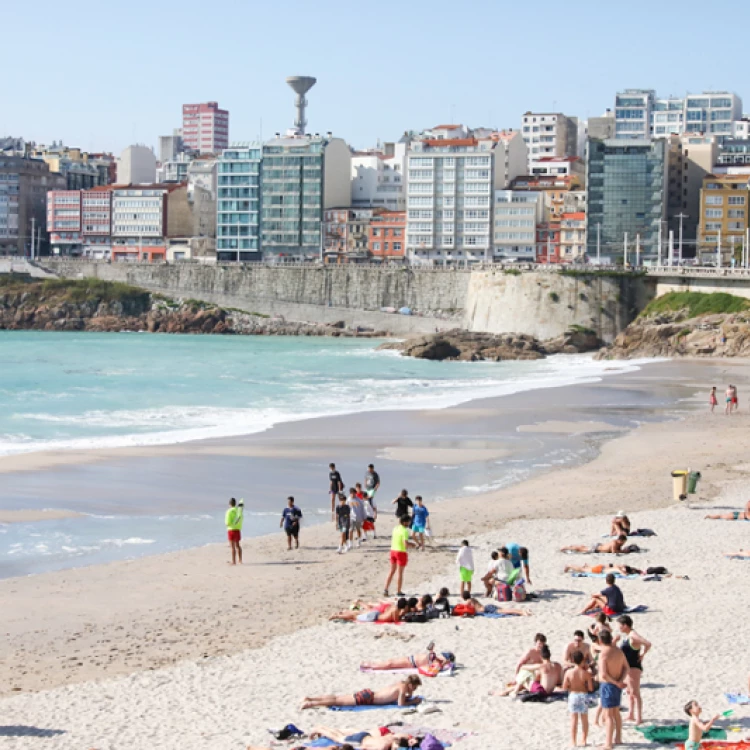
696 304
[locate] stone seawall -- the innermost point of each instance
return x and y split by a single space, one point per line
544 304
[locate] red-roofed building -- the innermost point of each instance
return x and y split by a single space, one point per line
548 242
388 235
573 236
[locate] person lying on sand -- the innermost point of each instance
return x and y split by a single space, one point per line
625 570
540 678
741 553
379 738
375 612
429 661
470 606
735 515
401 692
613 547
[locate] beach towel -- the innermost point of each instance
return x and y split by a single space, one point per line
446 671
665 734
738 699
719 745
604 575
323 742
446 736
497 615
627 611
373 708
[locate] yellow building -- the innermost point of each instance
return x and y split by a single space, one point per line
725 201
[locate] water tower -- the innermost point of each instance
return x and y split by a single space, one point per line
301 85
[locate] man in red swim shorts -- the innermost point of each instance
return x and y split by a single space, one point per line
399 556
233 521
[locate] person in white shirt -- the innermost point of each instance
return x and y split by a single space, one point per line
465 562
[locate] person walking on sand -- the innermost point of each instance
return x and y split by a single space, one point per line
358 517
372 482
420 522
465 562
403 503
233 522
343 522
712 400
335 485
399 556
729 396
634 647
613 673
579 682
697 728
291 518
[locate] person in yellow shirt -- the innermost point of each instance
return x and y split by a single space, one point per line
399 556
233 521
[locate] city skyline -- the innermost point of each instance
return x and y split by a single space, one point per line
379 72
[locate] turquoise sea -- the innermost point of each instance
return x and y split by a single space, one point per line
63 391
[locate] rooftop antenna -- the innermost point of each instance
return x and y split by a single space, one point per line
300 85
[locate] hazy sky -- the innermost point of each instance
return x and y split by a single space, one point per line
102 75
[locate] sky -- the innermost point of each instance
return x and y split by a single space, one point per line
103 75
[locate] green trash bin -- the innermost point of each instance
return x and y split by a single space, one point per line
693 479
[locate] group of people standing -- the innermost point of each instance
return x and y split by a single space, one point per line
357 512
730 399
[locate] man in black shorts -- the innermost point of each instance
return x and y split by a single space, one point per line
290 520
335 485
343 518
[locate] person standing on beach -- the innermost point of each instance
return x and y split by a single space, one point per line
403 503
233 521
579 682
634 647
729 396
465 562
697 728
358 516
372 482
712 400
335 485
613 673
399 556
343 518
420 522
291 517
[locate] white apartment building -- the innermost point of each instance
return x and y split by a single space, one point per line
136 165
451 177
378 179
516 216
566 166
550 134
138 213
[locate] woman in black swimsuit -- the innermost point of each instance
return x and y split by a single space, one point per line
634 647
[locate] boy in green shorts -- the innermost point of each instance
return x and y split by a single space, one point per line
465 562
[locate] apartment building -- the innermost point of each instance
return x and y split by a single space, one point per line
516 216
640 114
725 201
572 237
238 235
549 134
302 176
205 127
79 222
136 165
80 169
24 184
387 240
555 189
346 233
452 173
548 243
558 166
378 178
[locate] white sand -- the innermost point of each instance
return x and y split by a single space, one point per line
697 627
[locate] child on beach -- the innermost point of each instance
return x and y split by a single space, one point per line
465 562
712 400
420 522
578 681
343 518
697 727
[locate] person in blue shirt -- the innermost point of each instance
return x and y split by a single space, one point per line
420 522
290 520
519 556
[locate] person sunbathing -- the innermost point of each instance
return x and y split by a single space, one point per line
613 547
430 661
625 570
492 609
375 612
741 553
620 525
537 678
399 693
379 738
735 515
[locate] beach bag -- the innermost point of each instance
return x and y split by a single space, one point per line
519 593
414 617
464 610
504 592
657 571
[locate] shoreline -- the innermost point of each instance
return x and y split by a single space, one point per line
190 605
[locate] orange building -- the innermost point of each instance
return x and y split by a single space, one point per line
554 187
387 235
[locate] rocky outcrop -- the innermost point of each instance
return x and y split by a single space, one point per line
71 306
465 346
675 334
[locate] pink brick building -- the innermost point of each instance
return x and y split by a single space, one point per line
205 127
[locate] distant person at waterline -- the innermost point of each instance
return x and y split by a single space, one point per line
335 485
291 518
233 521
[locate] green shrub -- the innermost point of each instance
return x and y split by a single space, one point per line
696 304
511 271
554 296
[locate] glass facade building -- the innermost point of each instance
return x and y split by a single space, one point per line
238 223
627 184
293 173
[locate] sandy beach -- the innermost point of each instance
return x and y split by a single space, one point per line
158 652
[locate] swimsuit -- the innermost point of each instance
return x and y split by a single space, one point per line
692 745
632 655
357 738
739 515
364 698
577 703
610 695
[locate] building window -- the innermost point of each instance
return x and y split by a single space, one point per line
396 246
715 213
736 200
376 246
714 200
376 233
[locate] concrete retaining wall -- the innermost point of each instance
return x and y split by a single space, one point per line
737 285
